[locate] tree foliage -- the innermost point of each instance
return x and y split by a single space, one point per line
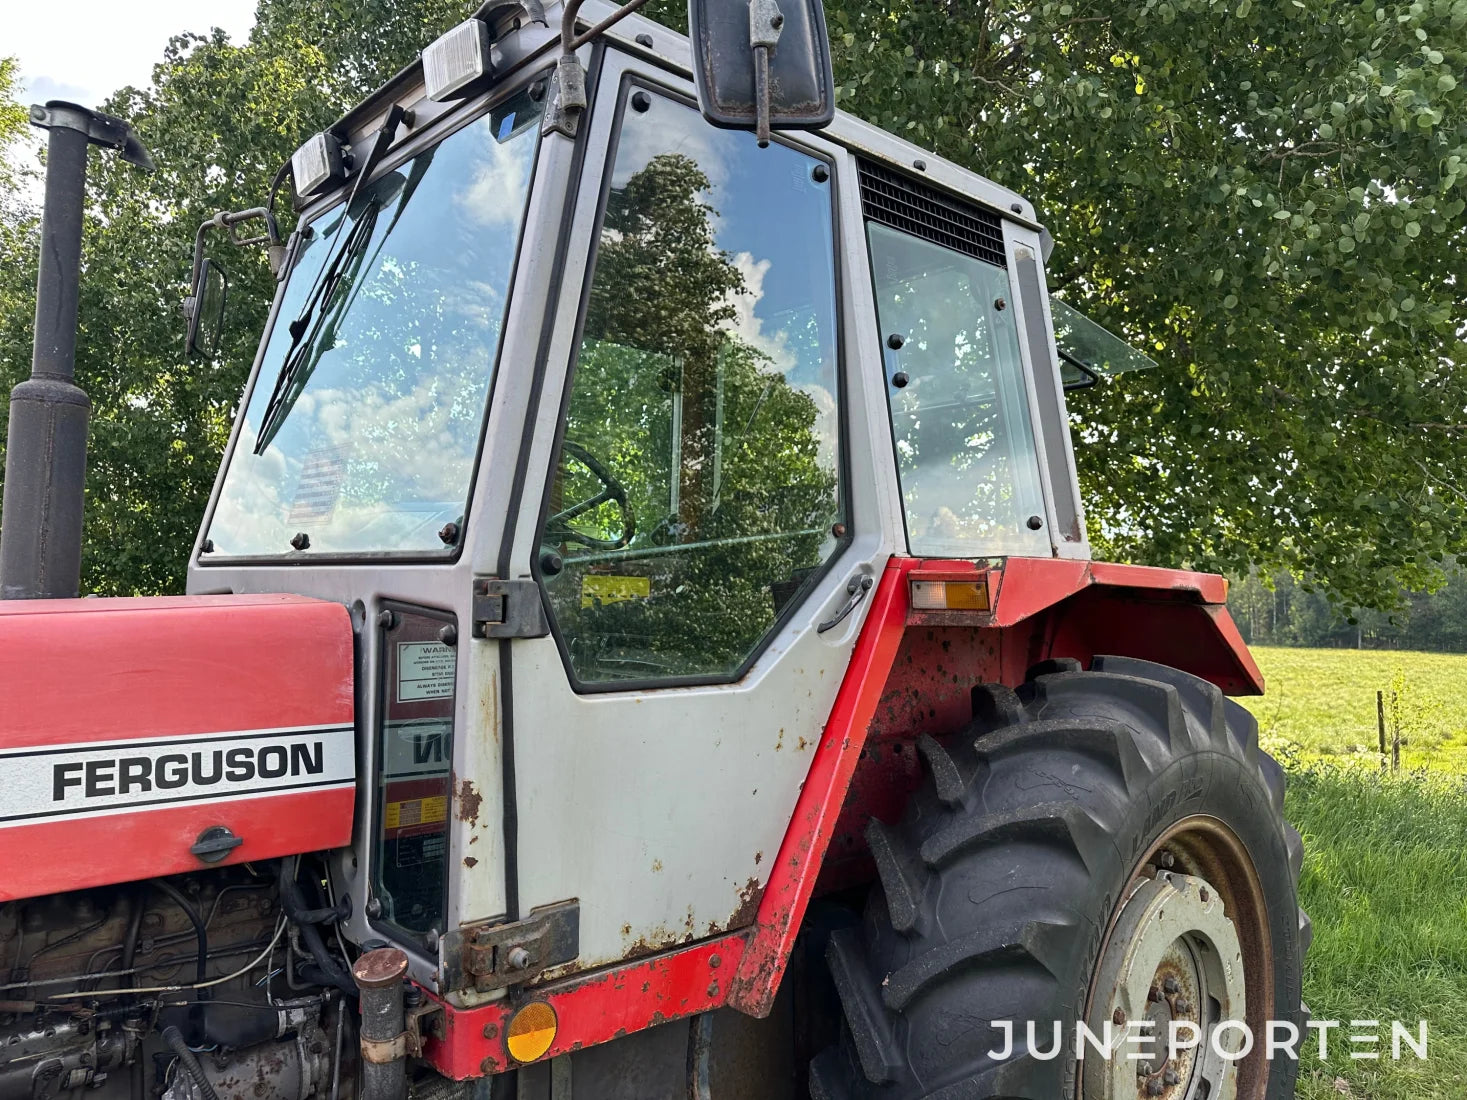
1268 196
219 119
1282 611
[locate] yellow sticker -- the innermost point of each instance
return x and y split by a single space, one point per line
416 811
604 588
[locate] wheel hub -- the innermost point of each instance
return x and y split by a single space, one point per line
1173 956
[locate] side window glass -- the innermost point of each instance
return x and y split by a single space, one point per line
697 492
959 411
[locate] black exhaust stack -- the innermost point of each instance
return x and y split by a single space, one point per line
46 450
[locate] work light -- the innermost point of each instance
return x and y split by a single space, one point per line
317 164
457 63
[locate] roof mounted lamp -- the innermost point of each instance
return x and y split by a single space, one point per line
46 448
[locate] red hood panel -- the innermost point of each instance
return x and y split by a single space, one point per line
128 727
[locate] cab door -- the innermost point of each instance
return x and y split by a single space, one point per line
701 495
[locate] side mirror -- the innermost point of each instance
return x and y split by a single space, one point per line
762 65
204 309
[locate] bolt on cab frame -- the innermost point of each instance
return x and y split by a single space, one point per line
676 487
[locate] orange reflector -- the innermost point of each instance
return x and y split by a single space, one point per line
531 1031
950 595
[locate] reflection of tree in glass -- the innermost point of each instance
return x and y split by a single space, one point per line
718 454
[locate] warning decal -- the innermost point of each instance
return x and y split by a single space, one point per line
424 671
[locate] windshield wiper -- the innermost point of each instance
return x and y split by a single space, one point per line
305 351
341 270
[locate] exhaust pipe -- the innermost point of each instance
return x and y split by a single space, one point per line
379 976
46 446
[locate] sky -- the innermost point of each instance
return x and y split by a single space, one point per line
84 50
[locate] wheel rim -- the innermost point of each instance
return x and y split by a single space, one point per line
1188 942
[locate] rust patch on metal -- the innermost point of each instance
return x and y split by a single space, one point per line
471 862
380 968
748 910
468 802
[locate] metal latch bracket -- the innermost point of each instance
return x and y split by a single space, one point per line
498 955
508 609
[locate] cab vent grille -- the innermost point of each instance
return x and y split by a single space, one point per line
923 211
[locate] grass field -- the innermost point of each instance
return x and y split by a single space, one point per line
1321 703
1385 871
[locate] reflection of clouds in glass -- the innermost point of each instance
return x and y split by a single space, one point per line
365 427
477 303
826 428
494 194
673 128
377 450
748 328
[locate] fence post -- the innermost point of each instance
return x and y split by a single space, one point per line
1395 734
1380 723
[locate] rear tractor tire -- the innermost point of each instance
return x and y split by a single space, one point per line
1102 847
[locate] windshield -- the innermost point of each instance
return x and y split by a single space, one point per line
362 428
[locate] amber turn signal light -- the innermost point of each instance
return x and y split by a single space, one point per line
950 595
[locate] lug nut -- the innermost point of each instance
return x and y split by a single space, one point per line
1170 1077
1171 985
1166 859
1154 994
1144 1070
1184 1007
1153 1088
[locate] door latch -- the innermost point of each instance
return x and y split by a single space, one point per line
493 956
508 609
856 592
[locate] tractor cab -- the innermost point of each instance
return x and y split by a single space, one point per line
604 423
651 485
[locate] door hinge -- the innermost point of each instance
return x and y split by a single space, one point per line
508 609
497 955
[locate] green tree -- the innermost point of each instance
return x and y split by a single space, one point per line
1266 196
220 119
13 120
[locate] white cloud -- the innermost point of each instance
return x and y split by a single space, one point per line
749 328
84 50
495 193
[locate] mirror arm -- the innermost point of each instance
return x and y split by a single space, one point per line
765 23
570 41
568 94
229 220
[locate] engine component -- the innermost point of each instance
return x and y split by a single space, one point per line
40 1059
293 1068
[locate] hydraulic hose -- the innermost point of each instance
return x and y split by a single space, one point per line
134 928
174 1038
332 971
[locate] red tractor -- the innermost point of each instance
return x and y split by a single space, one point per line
642 644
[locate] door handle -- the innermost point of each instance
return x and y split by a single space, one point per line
856 590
